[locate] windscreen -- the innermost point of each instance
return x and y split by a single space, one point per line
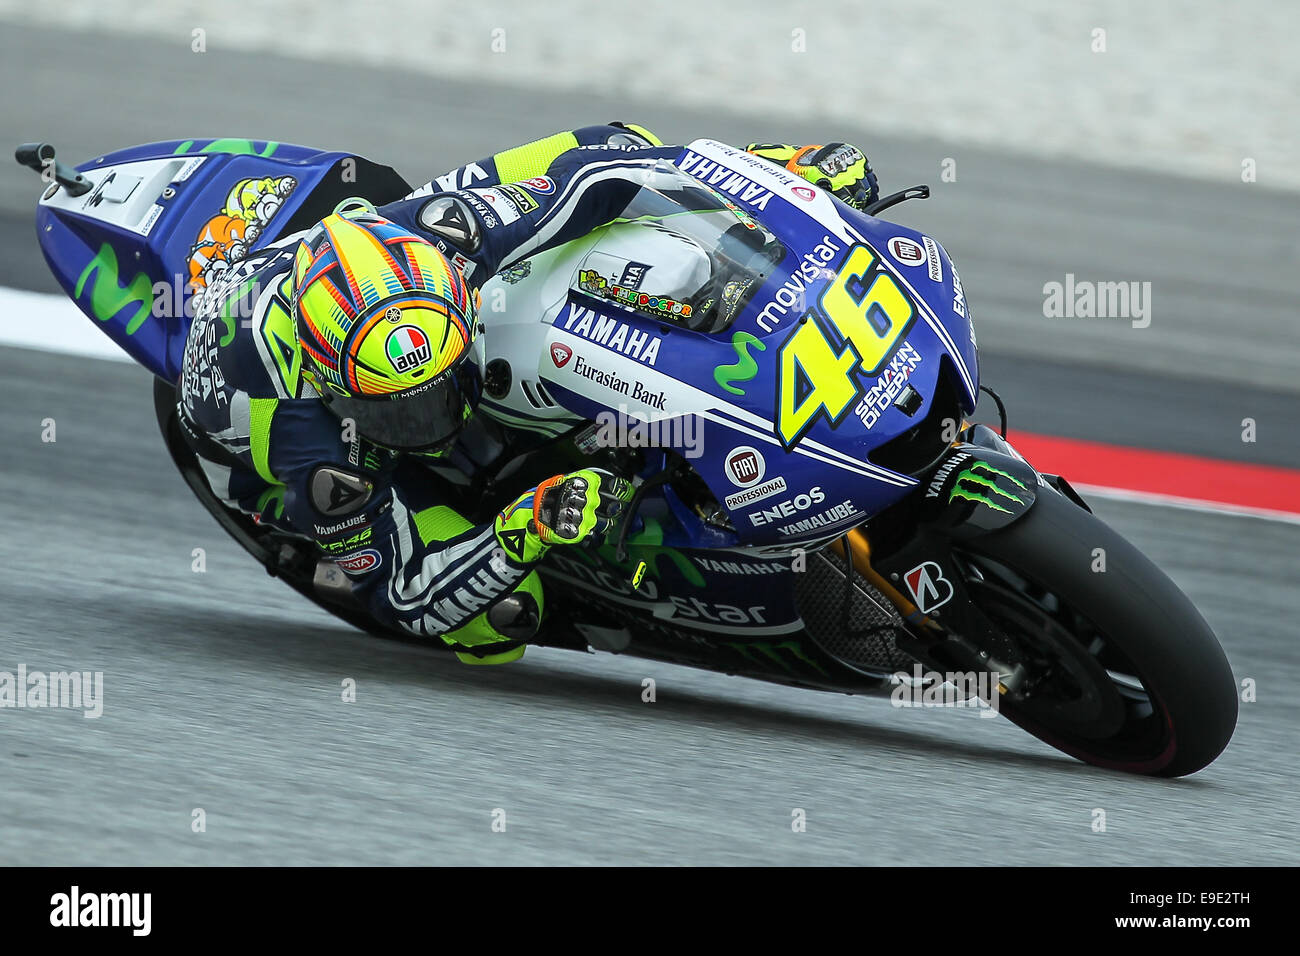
682 253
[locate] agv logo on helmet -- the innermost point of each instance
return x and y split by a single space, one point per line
407 348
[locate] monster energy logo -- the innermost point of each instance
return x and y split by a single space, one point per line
986 490
772 653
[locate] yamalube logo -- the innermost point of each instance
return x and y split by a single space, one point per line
745 466
930 589
408 348
804 193
560 354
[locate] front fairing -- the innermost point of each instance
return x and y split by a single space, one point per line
812 333
744 384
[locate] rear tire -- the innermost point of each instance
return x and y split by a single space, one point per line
1130 675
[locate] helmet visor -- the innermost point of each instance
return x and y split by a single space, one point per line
421 419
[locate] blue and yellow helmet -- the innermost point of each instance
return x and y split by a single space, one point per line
387 328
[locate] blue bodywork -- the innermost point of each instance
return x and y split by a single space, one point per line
105 268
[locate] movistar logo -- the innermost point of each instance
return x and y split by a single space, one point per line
107 295
981 480
242 147
744 369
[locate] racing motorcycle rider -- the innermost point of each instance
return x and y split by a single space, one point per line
362 356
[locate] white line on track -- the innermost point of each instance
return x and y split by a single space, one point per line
1187 504
52 323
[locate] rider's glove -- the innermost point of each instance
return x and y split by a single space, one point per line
839 168
566 509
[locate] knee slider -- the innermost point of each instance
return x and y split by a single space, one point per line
516 616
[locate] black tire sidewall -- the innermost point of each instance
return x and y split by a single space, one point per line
1142 611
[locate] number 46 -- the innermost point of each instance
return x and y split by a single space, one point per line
868 310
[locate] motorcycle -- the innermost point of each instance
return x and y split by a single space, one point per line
790 384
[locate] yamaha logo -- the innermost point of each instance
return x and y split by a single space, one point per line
394 314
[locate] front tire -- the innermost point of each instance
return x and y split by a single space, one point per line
1123 672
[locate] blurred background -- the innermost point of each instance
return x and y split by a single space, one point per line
1108 141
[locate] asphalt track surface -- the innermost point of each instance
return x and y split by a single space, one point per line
223 688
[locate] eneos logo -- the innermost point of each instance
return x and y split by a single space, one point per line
407 348
745 466
560 354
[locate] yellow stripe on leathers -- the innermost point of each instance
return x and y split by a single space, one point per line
440 523
532 159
